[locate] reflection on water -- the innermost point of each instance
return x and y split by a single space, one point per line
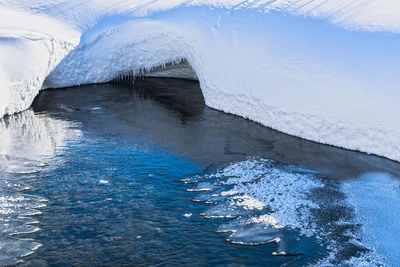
30 137
171 113
105 175
27 143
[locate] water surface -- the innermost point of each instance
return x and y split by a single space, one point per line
146 174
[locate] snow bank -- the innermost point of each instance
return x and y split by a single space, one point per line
30 47
326 71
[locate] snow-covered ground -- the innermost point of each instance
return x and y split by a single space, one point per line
324 70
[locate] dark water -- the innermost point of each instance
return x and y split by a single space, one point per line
117 174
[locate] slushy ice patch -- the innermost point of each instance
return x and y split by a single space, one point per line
291 209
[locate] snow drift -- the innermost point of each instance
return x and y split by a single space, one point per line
326 71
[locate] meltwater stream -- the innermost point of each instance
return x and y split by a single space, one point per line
145 174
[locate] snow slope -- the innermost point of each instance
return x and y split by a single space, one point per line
323 70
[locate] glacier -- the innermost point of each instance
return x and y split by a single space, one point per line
322 70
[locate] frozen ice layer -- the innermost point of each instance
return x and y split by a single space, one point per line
294 209
378 214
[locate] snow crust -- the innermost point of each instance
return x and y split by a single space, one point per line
261 184
326 71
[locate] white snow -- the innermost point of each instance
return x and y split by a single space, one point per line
267 219
30 47
323 70
284 192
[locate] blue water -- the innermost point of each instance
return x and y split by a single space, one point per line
147 175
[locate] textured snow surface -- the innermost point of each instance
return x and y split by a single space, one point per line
284 192
324 70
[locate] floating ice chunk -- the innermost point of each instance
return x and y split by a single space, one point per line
201 187
281 253
229 193
253 234
224 210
